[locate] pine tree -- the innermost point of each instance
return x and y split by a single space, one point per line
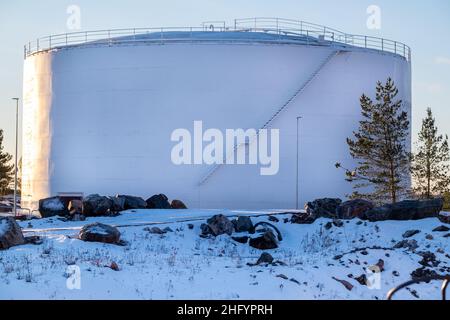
380 148
431 162
6 169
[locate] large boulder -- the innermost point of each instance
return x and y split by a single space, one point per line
302 218
353 208
405 210
444 217
217 225
10 233
132 202
323 208
96 205
264 242
52 206
243 224
99 232
158 201
118 204
178 204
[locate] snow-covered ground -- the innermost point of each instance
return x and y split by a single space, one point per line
182 265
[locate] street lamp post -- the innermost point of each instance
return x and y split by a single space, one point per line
15 167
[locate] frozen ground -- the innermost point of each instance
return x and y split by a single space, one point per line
181 265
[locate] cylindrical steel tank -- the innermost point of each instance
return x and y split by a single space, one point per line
99 112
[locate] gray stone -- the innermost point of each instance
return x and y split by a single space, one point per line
264 242
99 232
158 201
96 205
441 229
410 233
405 210
353 208
177 204
53 206
265 258
10 233
407 244
132 202
217 225
323 208
244 224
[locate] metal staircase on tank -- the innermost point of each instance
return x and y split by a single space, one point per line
280 110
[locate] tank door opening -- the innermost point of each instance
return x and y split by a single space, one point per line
66 197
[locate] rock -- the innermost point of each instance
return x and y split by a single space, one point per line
158 201
441 229
244 224
167 229
428 259
328 225
353 208
271 226
395 273
337 223
10 233
114 266
53 206
154 230
444 217
265 258
118 204
96 205
240 239
282 276
264 242
36 240
217 225
345 283
190 226
405 210
380 265
132 202
429 237
362 279
273 219
99 232
75 207
447 235
205 230
323 208
178 204
422 272
410 233
407 244
302 218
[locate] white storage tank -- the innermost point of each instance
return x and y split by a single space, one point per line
100 109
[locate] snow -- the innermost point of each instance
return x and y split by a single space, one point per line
3 226
181 265
53 204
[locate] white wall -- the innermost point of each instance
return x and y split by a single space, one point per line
99 120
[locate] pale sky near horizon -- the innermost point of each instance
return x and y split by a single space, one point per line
424 26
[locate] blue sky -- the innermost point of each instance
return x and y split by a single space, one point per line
423 25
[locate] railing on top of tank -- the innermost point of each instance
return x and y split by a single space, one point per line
309 33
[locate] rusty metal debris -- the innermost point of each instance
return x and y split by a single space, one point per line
445 279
